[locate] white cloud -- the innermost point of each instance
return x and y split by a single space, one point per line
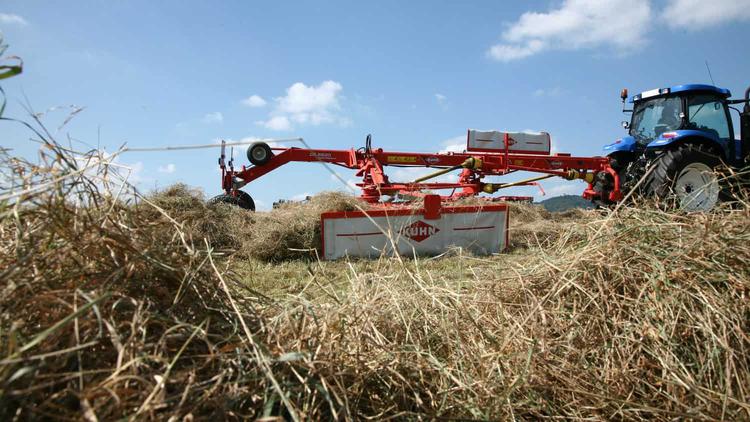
254 101
699 14
507 53
301 98
168 169
304 104
455 144
11 19
440 98
576 24
213 117
277 123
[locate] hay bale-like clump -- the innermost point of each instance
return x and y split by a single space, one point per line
291 230
532 226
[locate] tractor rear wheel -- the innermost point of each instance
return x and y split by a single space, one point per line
685 178
242 200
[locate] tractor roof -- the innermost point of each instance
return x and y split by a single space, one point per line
689 88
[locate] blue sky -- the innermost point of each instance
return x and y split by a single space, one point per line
414 74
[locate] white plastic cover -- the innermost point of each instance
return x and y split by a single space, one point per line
518 142
481 231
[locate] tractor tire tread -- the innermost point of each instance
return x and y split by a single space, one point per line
659 184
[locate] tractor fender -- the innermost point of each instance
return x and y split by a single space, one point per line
689 136
624 144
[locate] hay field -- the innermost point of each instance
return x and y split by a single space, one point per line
117 305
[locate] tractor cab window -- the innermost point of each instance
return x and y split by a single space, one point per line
651 118
707 113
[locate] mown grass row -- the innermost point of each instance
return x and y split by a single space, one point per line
116 305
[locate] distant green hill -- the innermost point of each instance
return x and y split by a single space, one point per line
565 202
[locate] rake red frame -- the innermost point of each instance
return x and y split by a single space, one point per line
475 166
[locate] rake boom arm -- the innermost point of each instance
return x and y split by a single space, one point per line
370 165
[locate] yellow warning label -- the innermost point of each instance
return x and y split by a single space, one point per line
401 159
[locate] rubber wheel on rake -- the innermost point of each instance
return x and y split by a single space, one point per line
259 153
685 178
242 200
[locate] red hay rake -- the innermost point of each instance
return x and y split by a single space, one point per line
497 158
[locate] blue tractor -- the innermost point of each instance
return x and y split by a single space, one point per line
677 138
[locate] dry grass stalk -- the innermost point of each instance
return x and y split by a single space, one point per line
115 307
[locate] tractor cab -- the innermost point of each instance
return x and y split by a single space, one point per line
695 113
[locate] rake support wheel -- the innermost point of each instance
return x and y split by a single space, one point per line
242 200
259 153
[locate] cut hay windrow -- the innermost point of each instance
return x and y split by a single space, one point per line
292 230
116 305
